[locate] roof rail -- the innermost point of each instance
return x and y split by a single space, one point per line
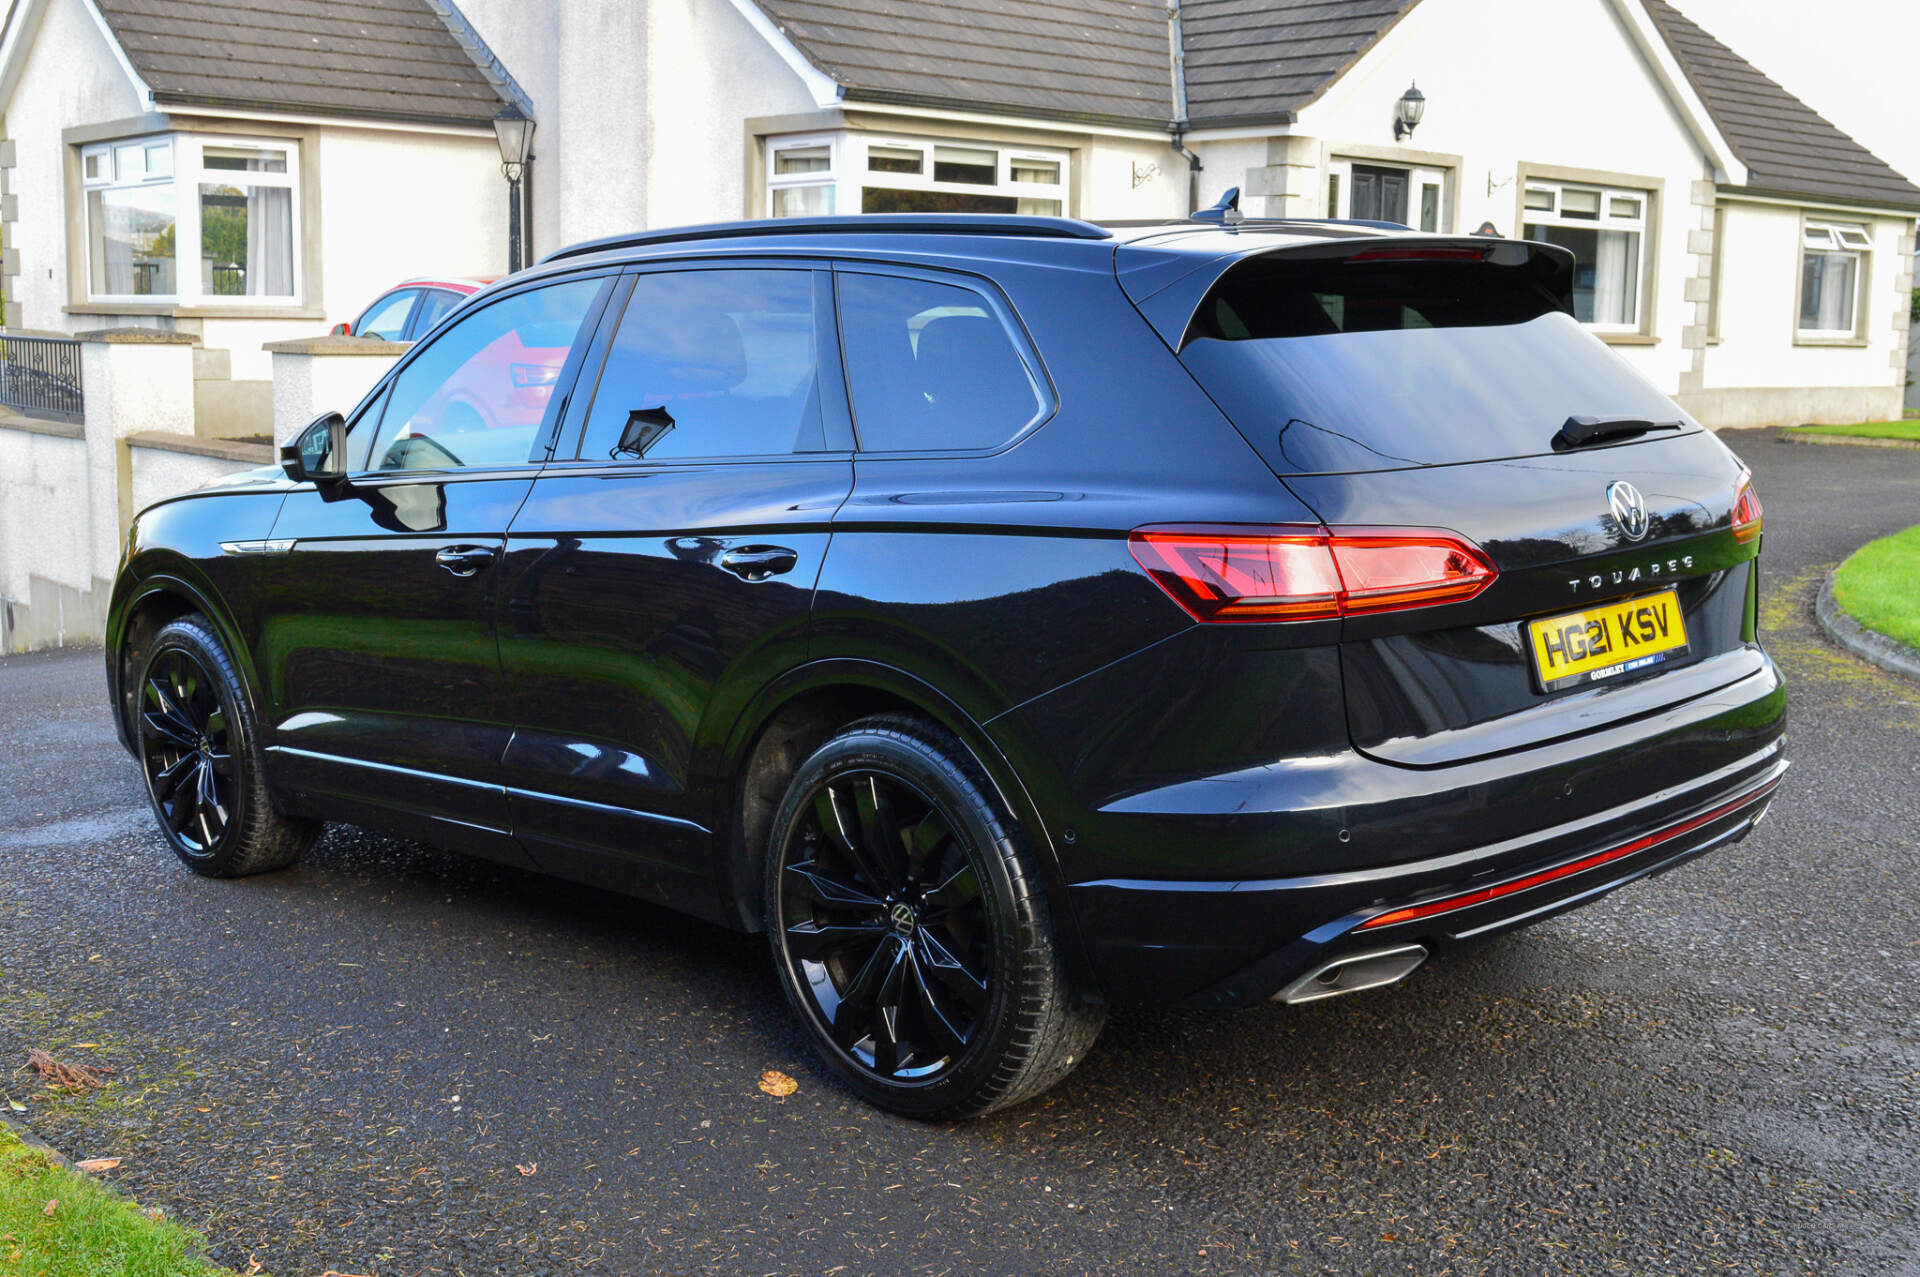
860 224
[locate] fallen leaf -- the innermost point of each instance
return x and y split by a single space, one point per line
253 1266
94 1165
528 1169
778 1084
53 1204
86 1046
16 1106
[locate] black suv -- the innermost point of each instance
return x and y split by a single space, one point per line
1009 615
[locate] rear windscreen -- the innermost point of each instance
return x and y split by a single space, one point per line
1338 365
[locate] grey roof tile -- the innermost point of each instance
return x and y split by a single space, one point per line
1787 147
385 59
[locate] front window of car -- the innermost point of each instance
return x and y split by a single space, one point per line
241 243
479 393
387 318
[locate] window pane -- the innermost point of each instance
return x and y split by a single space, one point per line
1852 237
1429 207
245 159
1606 271
479 392
803 201
1539 201
894 159
1581 204
1333 195
709 364
160 160
803 159
1038 208
1826 292
246 241
127 162
1818 237
99 166
438 302
966 164
1621 206
876 200
930 366
131 241
387 318
1046 172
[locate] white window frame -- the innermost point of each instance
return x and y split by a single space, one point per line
187 152
848 175
1838 238
1640 224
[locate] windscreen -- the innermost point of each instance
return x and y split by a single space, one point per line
1334 365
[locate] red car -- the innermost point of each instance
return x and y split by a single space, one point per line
406 311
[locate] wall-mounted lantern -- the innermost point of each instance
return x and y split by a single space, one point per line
1407 112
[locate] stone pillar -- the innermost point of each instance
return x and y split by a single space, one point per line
133 380
324 374
1290 182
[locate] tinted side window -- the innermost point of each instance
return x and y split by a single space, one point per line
477 395
434 306
387 317
714 363
930 366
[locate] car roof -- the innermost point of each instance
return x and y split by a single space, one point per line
458 283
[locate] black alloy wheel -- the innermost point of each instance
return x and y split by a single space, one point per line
200 754
885 921
910 929
186 749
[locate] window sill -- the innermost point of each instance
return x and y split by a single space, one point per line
177 311
1807 339
1628 339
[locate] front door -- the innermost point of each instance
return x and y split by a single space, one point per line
1379 194
380 657
661 572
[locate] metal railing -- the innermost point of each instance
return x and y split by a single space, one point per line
40 376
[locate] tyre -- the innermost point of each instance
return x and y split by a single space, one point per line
910 930
200 754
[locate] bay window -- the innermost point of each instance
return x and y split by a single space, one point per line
1831 259
192 219
1606 231
853 172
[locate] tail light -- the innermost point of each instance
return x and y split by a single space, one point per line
525 375
1300 573
1746 509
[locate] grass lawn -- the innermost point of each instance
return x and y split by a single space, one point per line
1879 586
1909 429
90 1232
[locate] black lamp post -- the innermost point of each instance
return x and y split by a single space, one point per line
1406 112
514 132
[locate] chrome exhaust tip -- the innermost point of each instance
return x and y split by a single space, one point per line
1353 972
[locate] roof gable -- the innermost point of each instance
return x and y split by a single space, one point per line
1265 59
384 59
1788 147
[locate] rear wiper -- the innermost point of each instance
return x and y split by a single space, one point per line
1583 432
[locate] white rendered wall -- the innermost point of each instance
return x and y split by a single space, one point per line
69 78
43 513
159 473
1759 283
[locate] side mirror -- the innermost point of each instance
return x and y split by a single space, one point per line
343 330
319 454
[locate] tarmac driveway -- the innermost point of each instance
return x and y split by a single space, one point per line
393 1060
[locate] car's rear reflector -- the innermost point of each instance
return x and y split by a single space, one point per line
1468 899
1746 509
1306 572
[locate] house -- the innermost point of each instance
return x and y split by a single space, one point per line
1733 245
240 170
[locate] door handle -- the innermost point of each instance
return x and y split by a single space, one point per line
758 562
464 560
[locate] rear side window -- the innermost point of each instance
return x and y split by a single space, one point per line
433 307
711 363
1338 365
931 367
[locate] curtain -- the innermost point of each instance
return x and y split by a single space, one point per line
269 241
1616 277
1826 292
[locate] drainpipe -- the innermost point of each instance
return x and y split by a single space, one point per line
1177 49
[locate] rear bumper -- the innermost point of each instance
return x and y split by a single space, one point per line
1233 944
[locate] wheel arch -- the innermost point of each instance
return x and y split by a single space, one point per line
789 718
155 602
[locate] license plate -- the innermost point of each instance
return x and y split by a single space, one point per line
1607 641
